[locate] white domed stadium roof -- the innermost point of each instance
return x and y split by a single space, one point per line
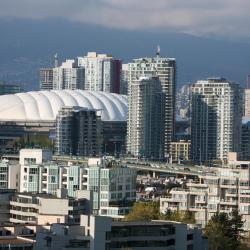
44 105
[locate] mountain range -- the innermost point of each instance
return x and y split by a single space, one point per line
26 46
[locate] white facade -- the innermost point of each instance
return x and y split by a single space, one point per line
165 69
67 76
34 156
145 122
43 106
29 168
100 72
124 79
9 175
216 119
50 177
114 189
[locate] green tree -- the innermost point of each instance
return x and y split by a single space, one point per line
225 231
144 211
180 216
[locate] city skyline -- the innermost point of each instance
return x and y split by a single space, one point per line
125 124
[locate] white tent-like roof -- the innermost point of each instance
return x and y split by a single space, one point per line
44 105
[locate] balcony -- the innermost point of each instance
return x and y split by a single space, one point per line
232 194
202 201
229 202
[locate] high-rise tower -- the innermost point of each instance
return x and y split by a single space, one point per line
102 72
78 131
145 124
68 76
165 69
216 119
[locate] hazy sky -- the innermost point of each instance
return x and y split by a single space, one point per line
221 18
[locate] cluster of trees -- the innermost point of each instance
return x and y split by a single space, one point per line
146 211
224 231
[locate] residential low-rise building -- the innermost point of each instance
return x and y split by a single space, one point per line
51 176
43 209
99 233
218 190
17 237
9 174
113 187
5 197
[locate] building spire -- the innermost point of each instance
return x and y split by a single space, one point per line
56 60
158 51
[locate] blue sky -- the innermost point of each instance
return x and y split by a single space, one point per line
227 19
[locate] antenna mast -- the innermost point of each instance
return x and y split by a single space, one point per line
56 60
158 51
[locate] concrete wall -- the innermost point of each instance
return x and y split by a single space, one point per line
53 206
40 155
50 219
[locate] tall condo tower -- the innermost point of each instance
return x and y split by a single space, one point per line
145 123
165 69
46 76
78 132
102 72
68 76
216 119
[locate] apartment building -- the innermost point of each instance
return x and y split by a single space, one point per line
113 187
43 209
245 140
102 72
145 125
9 174
216 119
165 69
51 176
46 78
101 233
246 103
180 151
78 132
217 190
30 160
5 196
124 80
68 76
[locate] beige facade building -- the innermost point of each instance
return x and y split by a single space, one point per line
46 209
180 151
218 190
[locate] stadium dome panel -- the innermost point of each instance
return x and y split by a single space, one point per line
44 105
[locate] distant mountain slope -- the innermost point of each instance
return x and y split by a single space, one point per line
27 45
